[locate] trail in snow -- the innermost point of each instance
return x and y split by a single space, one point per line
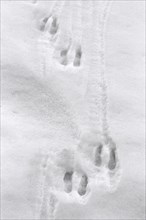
46 45
58 39
48 25
97 93
39 115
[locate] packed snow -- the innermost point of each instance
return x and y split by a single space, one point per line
51 165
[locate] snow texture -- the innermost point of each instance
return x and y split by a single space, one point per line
72 109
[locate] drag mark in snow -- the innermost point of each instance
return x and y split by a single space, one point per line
76 25
57 8
113 163
99 34
41 48
47 201
104 98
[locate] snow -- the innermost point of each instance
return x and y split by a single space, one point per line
41 114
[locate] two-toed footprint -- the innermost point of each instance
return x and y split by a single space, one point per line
87 146
112 158
68 184
65 59
54 31
49 24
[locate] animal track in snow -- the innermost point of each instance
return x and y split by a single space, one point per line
98 159
78 55
54 26
83 185
113 155
60 32
95 159
104 165
68 181
43 23
74 175
63 57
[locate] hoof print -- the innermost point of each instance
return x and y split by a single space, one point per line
83 185
112 160
68 181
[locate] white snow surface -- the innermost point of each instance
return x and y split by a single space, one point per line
41 112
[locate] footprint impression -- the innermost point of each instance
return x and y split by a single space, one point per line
98 162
